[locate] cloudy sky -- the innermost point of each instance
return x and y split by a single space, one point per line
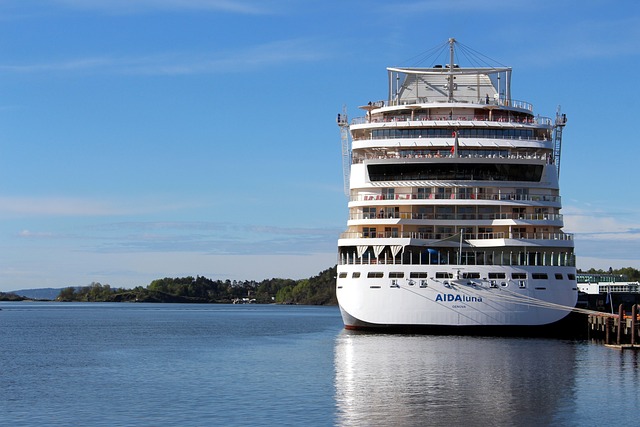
141 139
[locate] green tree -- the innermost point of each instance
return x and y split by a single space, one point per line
67 294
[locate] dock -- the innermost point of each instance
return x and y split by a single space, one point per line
619 331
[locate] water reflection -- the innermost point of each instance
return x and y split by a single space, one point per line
442 380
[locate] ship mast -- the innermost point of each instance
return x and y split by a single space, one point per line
451 43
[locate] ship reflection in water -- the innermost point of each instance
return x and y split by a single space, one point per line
445 380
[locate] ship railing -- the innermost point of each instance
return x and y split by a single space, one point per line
466 236
478 100
446 153
529 217
538 120
456 217
486 136
541 236
458 196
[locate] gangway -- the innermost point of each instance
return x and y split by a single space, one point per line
561 121
343 123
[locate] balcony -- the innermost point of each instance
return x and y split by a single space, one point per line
458 196
446 154
356 216
466 236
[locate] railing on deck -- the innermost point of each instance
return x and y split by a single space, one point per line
466 236
456 217
503 102
446 153
460 196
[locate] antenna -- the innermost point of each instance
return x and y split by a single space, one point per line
343 123
451 59
561 121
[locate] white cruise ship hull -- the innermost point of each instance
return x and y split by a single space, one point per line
369 303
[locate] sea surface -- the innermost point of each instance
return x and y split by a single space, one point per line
93 364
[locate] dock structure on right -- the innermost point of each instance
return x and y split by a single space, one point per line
617 330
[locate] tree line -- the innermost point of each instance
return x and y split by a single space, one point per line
629 274
316 290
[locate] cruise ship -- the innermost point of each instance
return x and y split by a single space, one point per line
454 206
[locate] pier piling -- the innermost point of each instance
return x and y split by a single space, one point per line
620 318
634 323
625 327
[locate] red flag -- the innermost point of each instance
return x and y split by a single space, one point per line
455 143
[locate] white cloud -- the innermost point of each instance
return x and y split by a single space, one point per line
69 65
179 63
468 6
188 237
211 238
138 6
35 234
61 206
604 239
56 206
594 224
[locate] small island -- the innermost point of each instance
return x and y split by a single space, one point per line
11 297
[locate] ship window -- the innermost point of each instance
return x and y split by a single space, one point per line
424 212
418 275
342 275
391 232
444 212
539 276
438 132
465 193
516 276
466 212
369 231
396 274
443 275
571 276
424 193
355 275
368 213
559 276
497 275
470 275
375 274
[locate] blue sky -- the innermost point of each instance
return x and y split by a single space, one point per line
141 139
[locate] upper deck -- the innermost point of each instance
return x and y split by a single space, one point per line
449 92
476 94
448 84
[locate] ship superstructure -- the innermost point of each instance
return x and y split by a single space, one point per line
454 206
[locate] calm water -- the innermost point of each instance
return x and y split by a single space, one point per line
247 365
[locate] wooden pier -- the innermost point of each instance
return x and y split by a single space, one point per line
619 331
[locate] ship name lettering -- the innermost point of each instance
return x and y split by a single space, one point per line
456 298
